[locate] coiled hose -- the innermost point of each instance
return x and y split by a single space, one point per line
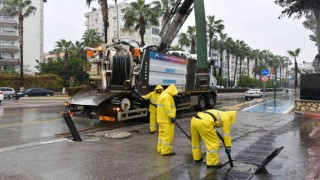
121 69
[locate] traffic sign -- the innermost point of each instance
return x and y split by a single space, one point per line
264 78
265 72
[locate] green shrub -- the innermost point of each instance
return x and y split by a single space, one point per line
49 81
73 90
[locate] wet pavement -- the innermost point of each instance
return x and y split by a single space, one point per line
255 135
99 157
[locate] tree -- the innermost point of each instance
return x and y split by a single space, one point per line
76 69
300 8
140 14
105 19
222 47
311 24
230 48
65 47
295 54
78 49
92 38
21 9
242 51
213 27
189 39
167 5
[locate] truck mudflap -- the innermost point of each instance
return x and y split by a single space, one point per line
126 115
90 97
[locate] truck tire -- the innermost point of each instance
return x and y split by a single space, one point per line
201 104
211 101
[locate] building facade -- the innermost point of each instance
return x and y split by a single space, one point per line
33 39
94 21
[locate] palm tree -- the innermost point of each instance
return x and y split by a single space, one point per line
213 27
302 7
242 53
230 48
105 19
184 40
140 14
78 49
21 9
167 5
189 39
222 47
92 38
65 47
255 55
295 54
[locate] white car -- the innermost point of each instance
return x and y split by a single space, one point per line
1 96
254 93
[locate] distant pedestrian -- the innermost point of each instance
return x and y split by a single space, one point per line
153 97
203 126
166 117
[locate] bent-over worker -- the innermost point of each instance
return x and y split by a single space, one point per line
203 126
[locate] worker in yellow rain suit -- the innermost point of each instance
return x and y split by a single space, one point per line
166 117
153 96
203 126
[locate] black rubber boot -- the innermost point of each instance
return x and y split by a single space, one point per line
219 165
170 154
199 161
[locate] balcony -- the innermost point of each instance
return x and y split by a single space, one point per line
9 48
9 35
8 22
9 61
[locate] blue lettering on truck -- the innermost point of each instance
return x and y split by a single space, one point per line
169 81
169 70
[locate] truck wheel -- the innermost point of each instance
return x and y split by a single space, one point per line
201 104
211 101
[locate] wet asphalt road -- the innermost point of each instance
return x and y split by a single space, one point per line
103 158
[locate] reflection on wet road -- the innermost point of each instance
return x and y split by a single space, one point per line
278 106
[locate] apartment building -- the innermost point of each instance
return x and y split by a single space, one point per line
94 21
33 39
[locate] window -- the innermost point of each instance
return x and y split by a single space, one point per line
155 31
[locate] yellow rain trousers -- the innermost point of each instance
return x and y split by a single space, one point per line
165 111
153 96
204 128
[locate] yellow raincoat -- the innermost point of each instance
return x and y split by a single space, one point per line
204 126
153 96
166 110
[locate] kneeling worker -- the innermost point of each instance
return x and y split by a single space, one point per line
153 96
203 126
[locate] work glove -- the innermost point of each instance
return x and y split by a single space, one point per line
228 150
173 120
136 97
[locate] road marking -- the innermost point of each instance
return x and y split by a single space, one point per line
245 109
288 110
31 122
31 145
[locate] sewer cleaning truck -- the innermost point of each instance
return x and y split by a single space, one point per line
122 71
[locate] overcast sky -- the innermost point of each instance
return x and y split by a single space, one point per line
253 21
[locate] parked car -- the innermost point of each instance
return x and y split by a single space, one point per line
8 92
254 93
34 92
1 96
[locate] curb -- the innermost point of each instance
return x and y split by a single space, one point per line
309 114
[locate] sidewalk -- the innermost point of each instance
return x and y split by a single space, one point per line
99 157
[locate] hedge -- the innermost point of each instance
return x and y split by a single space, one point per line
49 81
